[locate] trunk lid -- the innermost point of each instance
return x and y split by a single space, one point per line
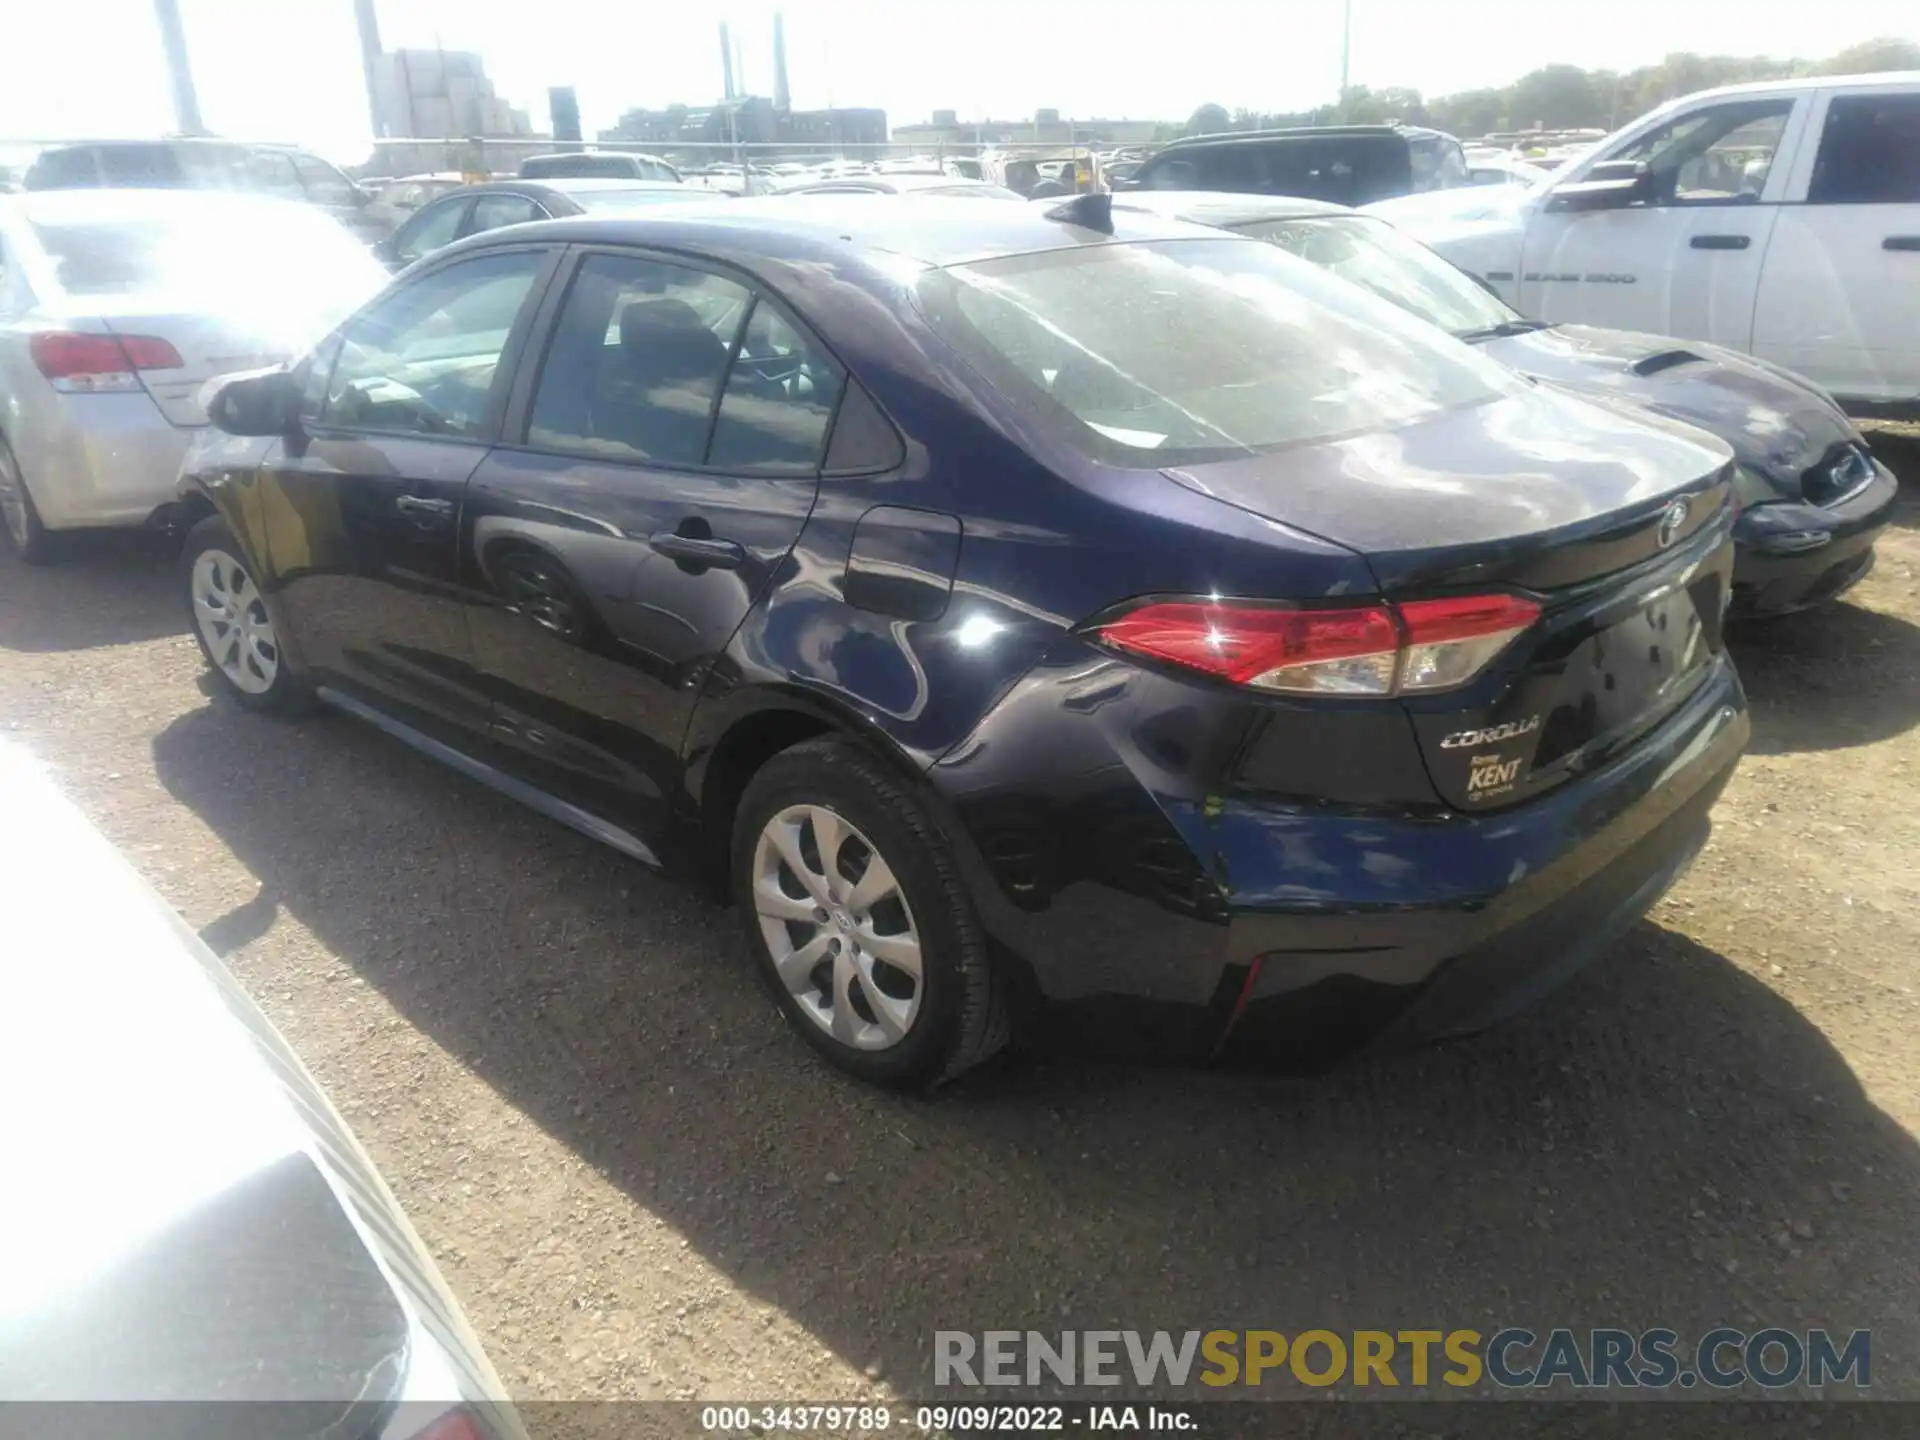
1615 521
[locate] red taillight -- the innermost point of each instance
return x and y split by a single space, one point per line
99 362
150 352
1380 649
456 1424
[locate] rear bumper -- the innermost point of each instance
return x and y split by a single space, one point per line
101 460
1333 930
1790 556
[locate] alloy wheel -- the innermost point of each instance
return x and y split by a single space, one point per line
233 622
13 500
837 927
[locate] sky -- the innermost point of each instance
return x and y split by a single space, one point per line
289 69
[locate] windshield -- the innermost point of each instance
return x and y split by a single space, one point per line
209 250
1371 253
1192 350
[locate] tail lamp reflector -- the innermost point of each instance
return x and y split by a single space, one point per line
75 361
1382 649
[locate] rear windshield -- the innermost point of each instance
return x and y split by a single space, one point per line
1372 253
1346 169
1185 351
582 167
211 250
627 199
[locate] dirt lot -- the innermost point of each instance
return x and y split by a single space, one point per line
641 1186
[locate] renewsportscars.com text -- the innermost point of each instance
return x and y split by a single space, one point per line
1510 1358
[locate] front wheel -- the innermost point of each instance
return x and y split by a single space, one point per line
231 622
855 910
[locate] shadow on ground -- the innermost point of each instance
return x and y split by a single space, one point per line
109 589
1665 1142
1828 678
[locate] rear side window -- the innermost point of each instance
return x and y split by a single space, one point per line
431 229
490 212
1147 355
63 170
324 184
778 403
638 358
271 172
1869 152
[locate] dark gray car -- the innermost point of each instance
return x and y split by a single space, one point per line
186 1216
475 209
1813 498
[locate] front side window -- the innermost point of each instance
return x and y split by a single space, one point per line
638 357
778 402
1869 152
490 212
1372 254
1181 352
1717 156
422 359
430 229
324 184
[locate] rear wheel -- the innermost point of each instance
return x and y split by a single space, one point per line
18 518
231 622
857 915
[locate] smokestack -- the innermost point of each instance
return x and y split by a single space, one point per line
726 61
173 42
371 56
781 99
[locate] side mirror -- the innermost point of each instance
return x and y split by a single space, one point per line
264 402
1610 185
385 253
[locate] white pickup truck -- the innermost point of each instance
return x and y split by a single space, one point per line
1780 218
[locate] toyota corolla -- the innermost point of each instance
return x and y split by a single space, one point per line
1065 617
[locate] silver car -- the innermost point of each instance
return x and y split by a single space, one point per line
116 307
186 1216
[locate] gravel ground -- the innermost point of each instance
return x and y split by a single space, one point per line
642 1187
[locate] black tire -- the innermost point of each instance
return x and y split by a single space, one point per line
961 1015
283 693
20 521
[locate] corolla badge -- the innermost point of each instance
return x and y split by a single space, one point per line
1672 521
1512 730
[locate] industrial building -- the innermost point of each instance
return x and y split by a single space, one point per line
945 130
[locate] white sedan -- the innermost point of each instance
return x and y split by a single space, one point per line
116 307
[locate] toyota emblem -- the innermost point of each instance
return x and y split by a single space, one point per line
1672 521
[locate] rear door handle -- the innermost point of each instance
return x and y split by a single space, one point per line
425 513
700 550
1901 242
1721 242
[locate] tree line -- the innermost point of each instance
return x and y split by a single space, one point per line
1558 97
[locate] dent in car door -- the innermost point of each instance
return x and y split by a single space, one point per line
1840 294
672 447
1688 261
365 504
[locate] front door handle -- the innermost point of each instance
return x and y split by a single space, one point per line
427 514
1721 242
1901 242
700 550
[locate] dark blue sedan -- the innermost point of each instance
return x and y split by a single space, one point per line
1064 620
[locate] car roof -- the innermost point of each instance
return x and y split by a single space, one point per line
572 185
903 182
1213 207
1306 132
928 230
1884 80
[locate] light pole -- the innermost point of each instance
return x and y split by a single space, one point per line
1346 53
173 44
